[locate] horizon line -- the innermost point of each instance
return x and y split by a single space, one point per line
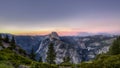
60 34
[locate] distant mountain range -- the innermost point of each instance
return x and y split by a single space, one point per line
79 48
92 34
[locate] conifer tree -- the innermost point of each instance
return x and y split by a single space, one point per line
13 40
40 59
32 54
12 43
6 39
1 41
66 59
51 55
115 48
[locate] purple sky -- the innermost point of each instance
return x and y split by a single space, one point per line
68 17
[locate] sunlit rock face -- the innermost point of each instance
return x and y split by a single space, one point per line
62 48
76 47
53 36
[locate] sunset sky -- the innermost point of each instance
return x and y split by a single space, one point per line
67 17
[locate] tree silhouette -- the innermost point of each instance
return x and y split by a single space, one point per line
32 54
1 40
115 48
40 59
66 59
12 43
51 55
6 39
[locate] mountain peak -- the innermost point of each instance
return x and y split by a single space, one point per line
54 35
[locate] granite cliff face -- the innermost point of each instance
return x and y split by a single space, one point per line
62 48
77 48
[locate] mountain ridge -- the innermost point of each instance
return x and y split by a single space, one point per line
78 48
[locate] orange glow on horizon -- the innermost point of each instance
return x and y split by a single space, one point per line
61 33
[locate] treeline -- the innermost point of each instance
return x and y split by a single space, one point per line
7 40
12 44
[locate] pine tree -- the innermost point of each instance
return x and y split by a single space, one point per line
6 39
40 59
0 37
66 59
12 43
13 40
32 55
115 48
51 55
1 41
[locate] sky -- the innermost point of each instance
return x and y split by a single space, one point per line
67 17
